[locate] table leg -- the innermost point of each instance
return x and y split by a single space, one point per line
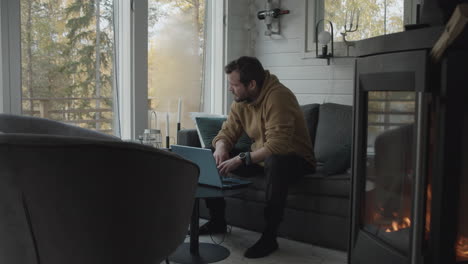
196 252
194 228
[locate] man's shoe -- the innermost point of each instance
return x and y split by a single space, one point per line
264 247
211 228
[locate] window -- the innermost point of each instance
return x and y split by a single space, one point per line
67 49
376 17
66 72
175 62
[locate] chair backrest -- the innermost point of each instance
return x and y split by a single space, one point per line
77 200
36 125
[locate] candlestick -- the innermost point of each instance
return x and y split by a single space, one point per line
150 112
179 110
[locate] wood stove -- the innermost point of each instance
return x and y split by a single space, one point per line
410 160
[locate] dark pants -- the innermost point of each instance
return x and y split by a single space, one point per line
279 171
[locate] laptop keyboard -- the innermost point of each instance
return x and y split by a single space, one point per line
230 180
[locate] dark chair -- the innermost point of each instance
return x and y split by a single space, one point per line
86 197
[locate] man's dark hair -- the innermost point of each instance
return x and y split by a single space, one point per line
249 69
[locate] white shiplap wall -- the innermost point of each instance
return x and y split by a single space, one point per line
311 79
239 27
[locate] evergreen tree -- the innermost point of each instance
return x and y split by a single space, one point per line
42 51
90 46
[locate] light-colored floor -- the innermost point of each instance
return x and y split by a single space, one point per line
290 252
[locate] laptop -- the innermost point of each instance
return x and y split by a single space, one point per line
209 174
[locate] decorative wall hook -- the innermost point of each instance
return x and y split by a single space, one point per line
271 17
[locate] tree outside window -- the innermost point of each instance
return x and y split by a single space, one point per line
376 17
67 61
175 59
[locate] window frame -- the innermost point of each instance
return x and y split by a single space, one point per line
132 62
215 54
10 57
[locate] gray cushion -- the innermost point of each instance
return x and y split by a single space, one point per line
311 116
333 130
339 162
319 183
331 205
208 127
188 137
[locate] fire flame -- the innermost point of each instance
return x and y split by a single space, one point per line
404 223
462 248
428 210
397 222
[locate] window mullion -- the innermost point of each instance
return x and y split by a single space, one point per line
216 38
133 67
410 11
10 57
140 65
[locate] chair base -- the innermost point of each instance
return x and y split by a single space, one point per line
207 253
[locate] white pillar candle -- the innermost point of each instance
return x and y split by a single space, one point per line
167 124
179 110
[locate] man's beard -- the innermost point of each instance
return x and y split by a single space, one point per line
247 99
243 99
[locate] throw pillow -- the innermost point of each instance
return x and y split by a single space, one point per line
195 115
311 117
339 161
333 130
208 128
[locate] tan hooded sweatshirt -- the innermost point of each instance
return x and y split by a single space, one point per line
274 120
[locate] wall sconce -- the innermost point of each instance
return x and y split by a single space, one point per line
324 37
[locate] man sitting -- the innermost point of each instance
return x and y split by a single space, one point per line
270 115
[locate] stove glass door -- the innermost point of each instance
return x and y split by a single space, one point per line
390 169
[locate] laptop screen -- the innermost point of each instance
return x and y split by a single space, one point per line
209 174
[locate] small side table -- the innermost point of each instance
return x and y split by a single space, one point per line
196 252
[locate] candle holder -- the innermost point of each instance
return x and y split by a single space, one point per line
177 135
324 37
167 130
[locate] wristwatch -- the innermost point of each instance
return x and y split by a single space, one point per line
245 158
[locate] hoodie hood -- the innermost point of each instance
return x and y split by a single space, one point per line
270 83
